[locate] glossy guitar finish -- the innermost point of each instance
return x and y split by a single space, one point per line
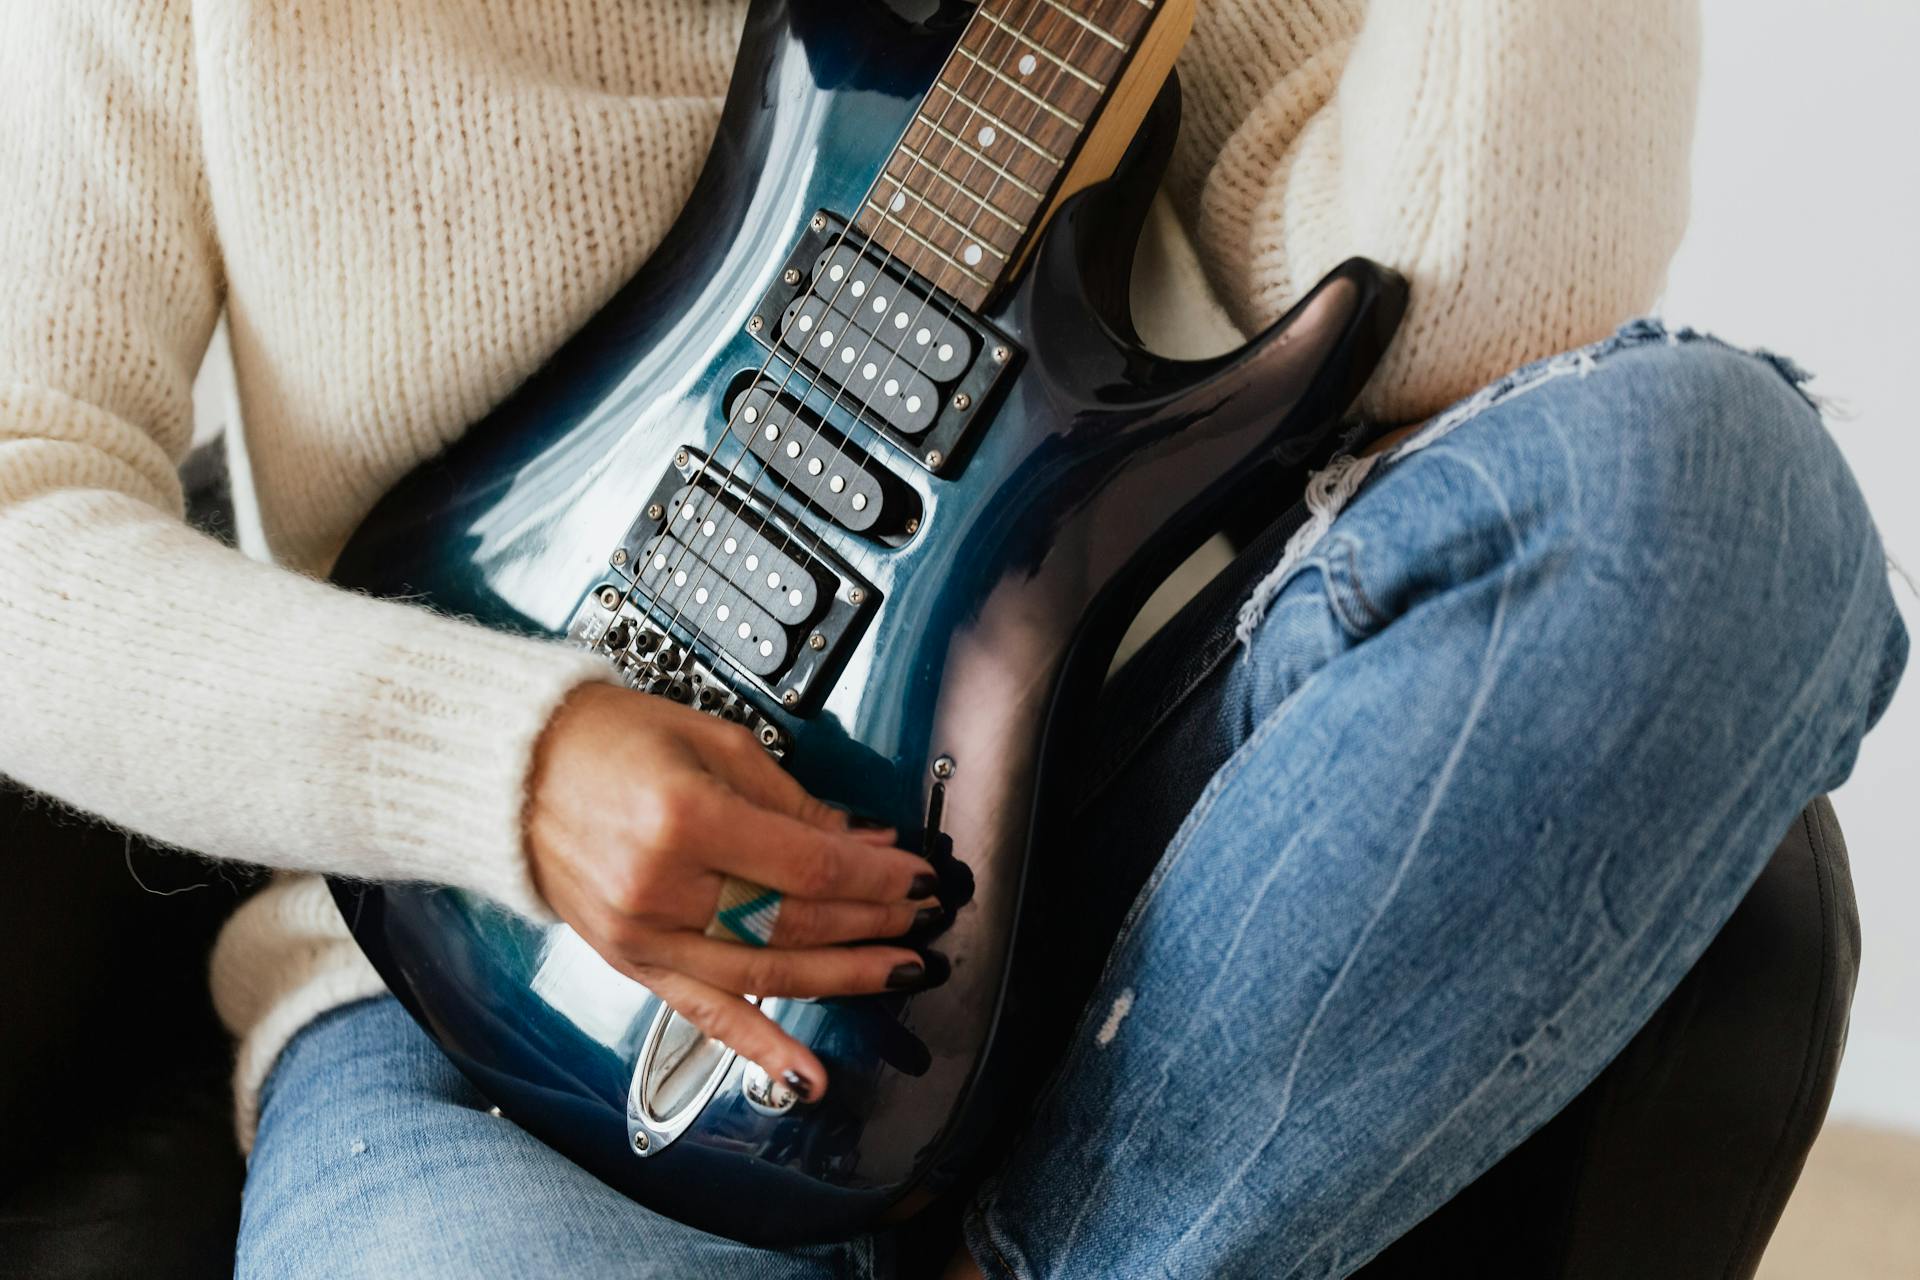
1102 466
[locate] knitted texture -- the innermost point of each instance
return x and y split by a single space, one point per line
404 208
1522 162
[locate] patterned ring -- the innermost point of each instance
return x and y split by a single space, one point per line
747 913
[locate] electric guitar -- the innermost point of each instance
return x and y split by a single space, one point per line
868 459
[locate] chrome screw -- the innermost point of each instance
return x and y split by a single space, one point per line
609 598
791 275
856 595
943 767
640 1141
756 324
962 401
816 642
913 525
619 556
819 222
935 458
680 458
769 736
791 698
1001 355
655 511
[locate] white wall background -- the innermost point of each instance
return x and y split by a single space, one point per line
1806 239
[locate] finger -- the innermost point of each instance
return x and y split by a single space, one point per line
865 830
779 971
805 922
784 853
736 758
742 1028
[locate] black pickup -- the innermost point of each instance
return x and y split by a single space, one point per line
722 570
819 467
879 340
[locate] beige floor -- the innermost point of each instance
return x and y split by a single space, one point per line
1855 1214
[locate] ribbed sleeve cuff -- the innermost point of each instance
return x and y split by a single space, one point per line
450 737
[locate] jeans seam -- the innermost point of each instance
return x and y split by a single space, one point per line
1349 600
978 1229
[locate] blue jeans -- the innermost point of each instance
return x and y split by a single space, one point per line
1402 834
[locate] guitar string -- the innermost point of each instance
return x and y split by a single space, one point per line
649 609
784 486
670 574
982 203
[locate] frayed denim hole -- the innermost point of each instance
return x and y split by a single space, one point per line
1583 361
1641 329
1796 375
1254 612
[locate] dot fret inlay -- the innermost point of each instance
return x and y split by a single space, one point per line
974 172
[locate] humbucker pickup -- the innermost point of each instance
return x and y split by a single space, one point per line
820 466
883 342
886 344
715 568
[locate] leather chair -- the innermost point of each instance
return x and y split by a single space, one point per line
116 1153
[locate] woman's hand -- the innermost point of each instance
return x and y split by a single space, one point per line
641 808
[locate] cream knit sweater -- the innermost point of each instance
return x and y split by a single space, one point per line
402 208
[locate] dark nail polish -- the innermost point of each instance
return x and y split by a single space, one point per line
863 822
939 969
927 917
905 976
924 885
798 1083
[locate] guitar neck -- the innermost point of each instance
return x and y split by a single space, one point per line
1037 100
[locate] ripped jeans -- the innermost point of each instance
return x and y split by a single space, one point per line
1402 832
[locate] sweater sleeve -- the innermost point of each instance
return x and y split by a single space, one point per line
148 674
1523 162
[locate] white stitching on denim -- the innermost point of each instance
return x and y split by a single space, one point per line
1328 490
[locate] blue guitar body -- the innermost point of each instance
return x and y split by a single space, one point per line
985 622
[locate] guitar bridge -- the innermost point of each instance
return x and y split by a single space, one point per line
610 623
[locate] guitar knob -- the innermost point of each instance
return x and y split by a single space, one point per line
764 1094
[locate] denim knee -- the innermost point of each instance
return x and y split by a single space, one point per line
1706 477
1671 500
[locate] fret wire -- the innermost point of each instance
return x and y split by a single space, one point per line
1022 90
1064 64
971 236
962 144
1046 53
947 258
953 183
991 118
1102 32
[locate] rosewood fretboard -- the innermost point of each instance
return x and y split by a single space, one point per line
976 170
